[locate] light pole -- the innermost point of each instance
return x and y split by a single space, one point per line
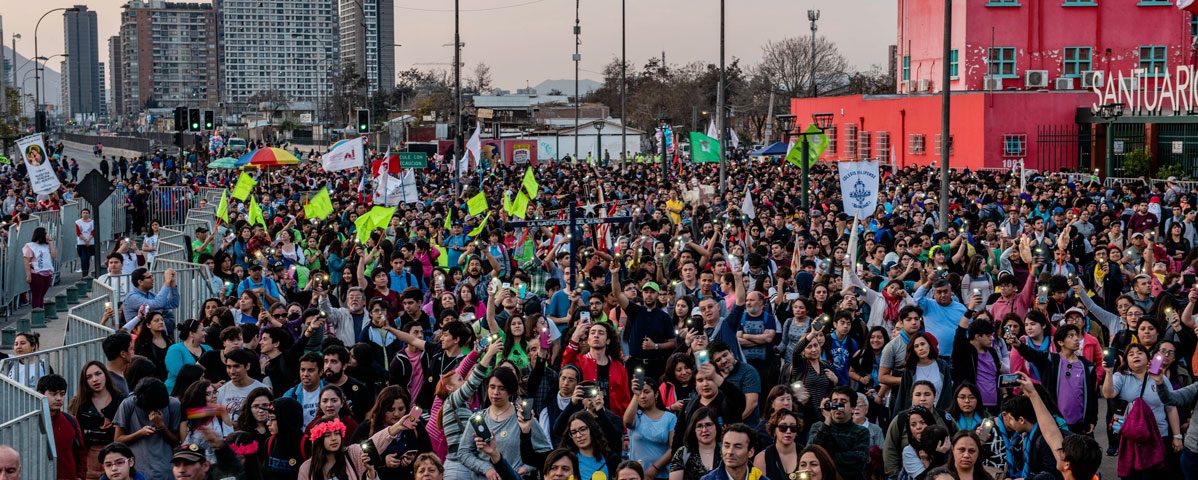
1110 114
457 98
46 61
813 16
577 59
623 80
39 117
789 128
723 114
15 37
599 140
946 139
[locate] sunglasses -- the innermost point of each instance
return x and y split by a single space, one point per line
788 428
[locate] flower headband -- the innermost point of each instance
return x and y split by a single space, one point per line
330 426
245 450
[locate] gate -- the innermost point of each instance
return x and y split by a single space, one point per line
1063 147
1132 137
1172 137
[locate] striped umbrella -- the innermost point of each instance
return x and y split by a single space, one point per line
267 157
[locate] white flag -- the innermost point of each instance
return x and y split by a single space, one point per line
390 189
344 155
711 130
474 151
408 188
859 187
746 205
733 139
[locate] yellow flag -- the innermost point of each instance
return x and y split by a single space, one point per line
520 206
256 217
530 183
448 218
377 217
245 183
319 206
482 225
222 210
477 204
507 203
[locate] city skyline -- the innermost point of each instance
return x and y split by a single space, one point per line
544 44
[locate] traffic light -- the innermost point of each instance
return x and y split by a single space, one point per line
208 120
193 119
180 119
363 120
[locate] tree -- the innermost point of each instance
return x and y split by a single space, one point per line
480 79
875 81
349 93
271 100
426 92
787 63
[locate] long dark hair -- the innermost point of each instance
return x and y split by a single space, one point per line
692 439
672 363
955 410
979 473
826 466
382 404
40 236
912 359
318 459
84 394
245 420
558 454
598 439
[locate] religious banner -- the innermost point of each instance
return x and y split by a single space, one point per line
37 163
859 187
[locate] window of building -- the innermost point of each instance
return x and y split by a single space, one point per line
1153 3
850 141
831 134
864 150
1077 60
1152 60
883 146
917 143
1193 25
906 67
1002 3
1014 145
1002 62
952 64
950 144
1080 3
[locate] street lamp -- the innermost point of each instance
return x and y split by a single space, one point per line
1110 114
599 139
46 61
823 121
38 115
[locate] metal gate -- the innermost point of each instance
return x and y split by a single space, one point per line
1177 144
1127 137
1063 147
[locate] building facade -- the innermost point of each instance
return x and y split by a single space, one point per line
167 55
1025 77
81 69
116 92
367 38
289 46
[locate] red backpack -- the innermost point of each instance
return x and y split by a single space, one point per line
1140 445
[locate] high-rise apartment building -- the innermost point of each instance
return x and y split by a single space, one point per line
367 40
167 56
80 76
289 46
116 92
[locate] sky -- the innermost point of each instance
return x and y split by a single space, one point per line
527 41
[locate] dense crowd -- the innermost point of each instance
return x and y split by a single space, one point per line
702 340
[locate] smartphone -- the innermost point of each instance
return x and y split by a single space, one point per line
640 376
484 342
1108 357
544 338
479 424
527 408
1154 367
584 317
701 357
1008 380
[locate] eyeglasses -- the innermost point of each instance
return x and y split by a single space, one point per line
704 426
1168 353
120 462
377 310
580 431
788 428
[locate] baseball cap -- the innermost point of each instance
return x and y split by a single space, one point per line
651 286
1075 310
188 452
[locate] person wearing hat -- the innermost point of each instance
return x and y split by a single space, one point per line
202 244
649 330
264 287
166 300
1091 347
1011 298
190 463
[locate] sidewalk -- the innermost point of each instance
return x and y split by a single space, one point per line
54 333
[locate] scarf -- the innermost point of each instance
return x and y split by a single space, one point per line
893 305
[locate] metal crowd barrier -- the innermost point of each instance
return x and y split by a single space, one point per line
68 255
1112 181
67 360
26 427
169 204
194 282
171 251
80 330
101 289
14 278
111 216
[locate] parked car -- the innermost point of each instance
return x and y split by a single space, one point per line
236 146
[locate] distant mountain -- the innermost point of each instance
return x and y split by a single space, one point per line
567 86
53 93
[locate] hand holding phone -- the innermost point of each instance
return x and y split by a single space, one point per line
479 425
1009 380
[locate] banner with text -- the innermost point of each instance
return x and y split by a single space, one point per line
859 187
344 155
37 163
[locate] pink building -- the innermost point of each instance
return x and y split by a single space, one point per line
1022 74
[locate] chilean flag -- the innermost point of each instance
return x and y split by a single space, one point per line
1188 5
389 162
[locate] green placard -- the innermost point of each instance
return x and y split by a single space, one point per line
413 160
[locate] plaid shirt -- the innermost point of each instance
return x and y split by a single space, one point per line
537 276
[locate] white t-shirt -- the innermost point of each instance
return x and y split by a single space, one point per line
152 242
40 257
309 401
232 396
84 230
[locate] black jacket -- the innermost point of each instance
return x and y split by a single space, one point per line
1050 363
965 363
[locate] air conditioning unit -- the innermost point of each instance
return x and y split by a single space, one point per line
1064 83
905 86
1036 79
925 85
993 83
1092 78
1130 84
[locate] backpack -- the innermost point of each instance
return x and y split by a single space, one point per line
1140 445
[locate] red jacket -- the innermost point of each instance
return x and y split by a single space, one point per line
68 441
617 376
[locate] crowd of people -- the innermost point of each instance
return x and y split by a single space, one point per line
702 340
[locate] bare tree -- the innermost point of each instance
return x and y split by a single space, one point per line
271 101
480 79
787 64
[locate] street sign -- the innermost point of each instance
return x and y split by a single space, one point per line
95 188
1179 146
485 113
413 160
1118 146
573 221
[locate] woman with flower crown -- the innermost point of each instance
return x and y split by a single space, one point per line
333 457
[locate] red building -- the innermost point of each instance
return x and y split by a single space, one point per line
1025 75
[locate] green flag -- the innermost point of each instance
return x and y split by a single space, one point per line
520 206
222 210
377 217
507 203
319 206
245 183
704 149
482 225
477 204
816 143
256 217
530 183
